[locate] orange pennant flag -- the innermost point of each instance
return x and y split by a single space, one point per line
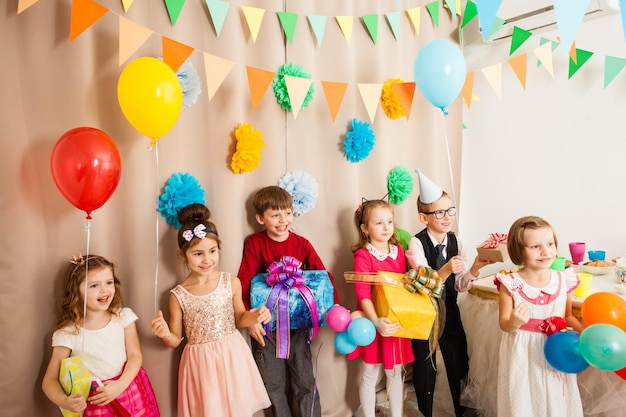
174 53
84 14
334 93
258 81
519 67
466 91
24 4
131 36
405 92
572 52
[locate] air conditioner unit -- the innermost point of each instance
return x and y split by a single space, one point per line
532 15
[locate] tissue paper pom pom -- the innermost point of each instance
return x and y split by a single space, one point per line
399 184
182 189
389 99
359 142
280 86
190 83
303 190
247 155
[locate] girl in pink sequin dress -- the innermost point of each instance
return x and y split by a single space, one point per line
217 375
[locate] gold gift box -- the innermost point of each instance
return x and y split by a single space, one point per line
414 311
75 379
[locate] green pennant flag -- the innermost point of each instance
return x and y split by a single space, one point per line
288 22
582 57
393 19
318 24
519 37
173 9
371 23
469 13
218 10
495 26
433 10
612 66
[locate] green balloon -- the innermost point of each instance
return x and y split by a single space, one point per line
604 346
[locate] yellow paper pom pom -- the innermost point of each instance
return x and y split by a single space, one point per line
247 155
389 99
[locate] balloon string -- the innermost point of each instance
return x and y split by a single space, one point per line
88 232
454 201
156 269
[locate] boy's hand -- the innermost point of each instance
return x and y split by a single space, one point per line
257 332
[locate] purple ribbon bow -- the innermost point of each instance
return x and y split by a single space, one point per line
282 276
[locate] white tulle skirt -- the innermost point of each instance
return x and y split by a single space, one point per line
603 393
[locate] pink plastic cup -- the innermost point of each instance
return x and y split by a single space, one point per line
577 250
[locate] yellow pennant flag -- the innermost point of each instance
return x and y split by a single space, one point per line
254 18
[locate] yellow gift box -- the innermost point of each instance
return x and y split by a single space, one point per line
75 379
414 311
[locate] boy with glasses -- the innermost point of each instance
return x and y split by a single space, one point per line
438 247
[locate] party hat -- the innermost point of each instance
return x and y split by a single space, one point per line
429 191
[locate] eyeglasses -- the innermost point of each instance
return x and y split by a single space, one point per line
440 214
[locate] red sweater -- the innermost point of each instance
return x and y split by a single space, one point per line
259 251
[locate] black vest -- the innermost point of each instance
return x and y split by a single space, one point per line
452 249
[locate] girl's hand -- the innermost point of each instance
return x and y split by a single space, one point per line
159 326
262 314
519 315
385 327
456 264
75 403
107 392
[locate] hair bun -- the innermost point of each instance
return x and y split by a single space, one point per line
194 213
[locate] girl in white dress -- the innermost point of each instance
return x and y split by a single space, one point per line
532 300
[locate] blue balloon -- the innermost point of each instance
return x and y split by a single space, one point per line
604 346
344 344
563 353
362 331
440 71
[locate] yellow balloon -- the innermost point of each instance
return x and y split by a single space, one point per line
150 96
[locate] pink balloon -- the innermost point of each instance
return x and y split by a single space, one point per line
338 318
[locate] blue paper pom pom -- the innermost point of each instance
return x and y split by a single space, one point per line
303 189
182 189
190 83
359 141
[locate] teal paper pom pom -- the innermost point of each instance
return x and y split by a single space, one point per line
303 189
399 184
359 141
182 189
280 86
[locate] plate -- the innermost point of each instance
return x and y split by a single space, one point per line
597 270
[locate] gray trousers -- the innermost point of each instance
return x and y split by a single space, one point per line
289 381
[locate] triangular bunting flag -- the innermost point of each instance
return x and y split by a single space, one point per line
84 14
345 24
469 14
519 68
288 22
318 25
24 4
405 93
414 16
518 38
493 74
370 94
218 10
487 10
174 53
126 4
612 66
433 10
622 7
569 16
334 92
258 81
451 5
216 70
572 52
468 87
544 56
254 18
173 9
582 57
297 89
131 36
393 20
371 24
496 24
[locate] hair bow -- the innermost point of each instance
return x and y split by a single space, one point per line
199 231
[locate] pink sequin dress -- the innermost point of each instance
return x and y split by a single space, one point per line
217 376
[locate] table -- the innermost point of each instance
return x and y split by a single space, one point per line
603 393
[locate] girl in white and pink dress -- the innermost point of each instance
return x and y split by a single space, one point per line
217 375
530 301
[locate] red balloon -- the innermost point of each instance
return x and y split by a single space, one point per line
86 167
621 373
